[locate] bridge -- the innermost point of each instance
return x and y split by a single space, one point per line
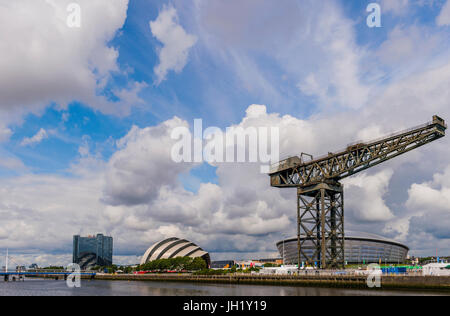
20 275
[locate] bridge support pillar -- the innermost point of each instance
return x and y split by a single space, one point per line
320 225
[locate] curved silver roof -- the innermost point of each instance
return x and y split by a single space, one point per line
364 235
173 247
361 235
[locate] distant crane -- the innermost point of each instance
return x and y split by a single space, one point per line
320 195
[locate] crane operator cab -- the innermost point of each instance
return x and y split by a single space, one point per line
440 123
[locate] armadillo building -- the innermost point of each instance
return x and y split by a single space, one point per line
174 247
359 247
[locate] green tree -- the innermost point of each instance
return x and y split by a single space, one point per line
178 264
198 264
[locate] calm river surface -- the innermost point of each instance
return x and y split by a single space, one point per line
35 287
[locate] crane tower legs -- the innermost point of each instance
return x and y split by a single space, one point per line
320 225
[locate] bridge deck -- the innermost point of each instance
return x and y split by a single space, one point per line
44 273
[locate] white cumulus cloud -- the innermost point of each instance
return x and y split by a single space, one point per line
143 165
176 43
364 196
429 205
5 133
37 138
444 16
44 61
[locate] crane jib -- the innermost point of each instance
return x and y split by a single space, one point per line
359 156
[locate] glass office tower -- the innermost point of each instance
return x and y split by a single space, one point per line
92 251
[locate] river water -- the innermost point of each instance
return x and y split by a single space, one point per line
37 287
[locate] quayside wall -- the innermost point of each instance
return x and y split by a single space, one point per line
339 281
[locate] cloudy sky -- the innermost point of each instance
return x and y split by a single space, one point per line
86 115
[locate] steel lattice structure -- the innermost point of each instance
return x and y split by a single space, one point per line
320 197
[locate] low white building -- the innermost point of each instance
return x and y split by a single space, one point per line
283 270
436 269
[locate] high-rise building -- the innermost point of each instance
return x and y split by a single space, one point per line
92 251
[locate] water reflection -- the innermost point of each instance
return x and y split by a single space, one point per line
33 287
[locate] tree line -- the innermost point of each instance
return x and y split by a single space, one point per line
174 264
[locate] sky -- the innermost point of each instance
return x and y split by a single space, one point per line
87 111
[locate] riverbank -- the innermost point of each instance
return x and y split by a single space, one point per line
341 281
49 287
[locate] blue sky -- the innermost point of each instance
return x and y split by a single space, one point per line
184 94
91 107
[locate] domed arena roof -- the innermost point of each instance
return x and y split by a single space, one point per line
370 236
349 235
360 247
174 247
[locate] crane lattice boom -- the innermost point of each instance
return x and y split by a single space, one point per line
293 172
320 195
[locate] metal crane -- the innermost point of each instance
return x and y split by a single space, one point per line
320 195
